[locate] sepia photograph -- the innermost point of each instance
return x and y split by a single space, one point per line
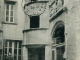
39 29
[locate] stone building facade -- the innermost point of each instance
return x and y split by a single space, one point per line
39 29
57 36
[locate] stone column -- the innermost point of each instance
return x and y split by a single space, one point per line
48 53
25 53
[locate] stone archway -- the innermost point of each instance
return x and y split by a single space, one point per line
58 38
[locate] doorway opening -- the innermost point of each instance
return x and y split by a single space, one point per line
58 36
36 53
58 46
60 52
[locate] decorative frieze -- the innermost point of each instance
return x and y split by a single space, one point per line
56 6
34 7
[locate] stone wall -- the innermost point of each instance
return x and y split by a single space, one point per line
71 19
13 31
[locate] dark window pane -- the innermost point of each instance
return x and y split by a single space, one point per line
10 50
15 57
7 13
19 57
11 19
5 52
19 51
20 44
0 51
7 19
5 43
7 7
15 44
34 22
0 57
11 13
10 43
15 51
11 7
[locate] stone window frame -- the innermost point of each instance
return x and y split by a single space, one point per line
10 47
10 11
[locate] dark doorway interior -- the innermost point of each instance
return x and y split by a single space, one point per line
59 43
59 34
60 52
36 54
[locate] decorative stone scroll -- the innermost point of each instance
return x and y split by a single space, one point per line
57 4
35 8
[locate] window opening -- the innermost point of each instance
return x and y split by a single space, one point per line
59 35
34 22
9 13
58 42
12 48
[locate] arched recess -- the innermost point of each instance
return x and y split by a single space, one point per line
58 31
58 41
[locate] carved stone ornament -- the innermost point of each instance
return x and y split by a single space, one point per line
35 8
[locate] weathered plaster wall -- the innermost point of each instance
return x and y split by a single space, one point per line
14 31
36 37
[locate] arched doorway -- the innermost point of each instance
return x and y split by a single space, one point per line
58 38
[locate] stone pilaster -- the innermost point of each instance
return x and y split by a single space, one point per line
48 53
25 53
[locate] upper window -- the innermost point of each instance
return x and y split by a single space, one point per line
9 13
34 22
